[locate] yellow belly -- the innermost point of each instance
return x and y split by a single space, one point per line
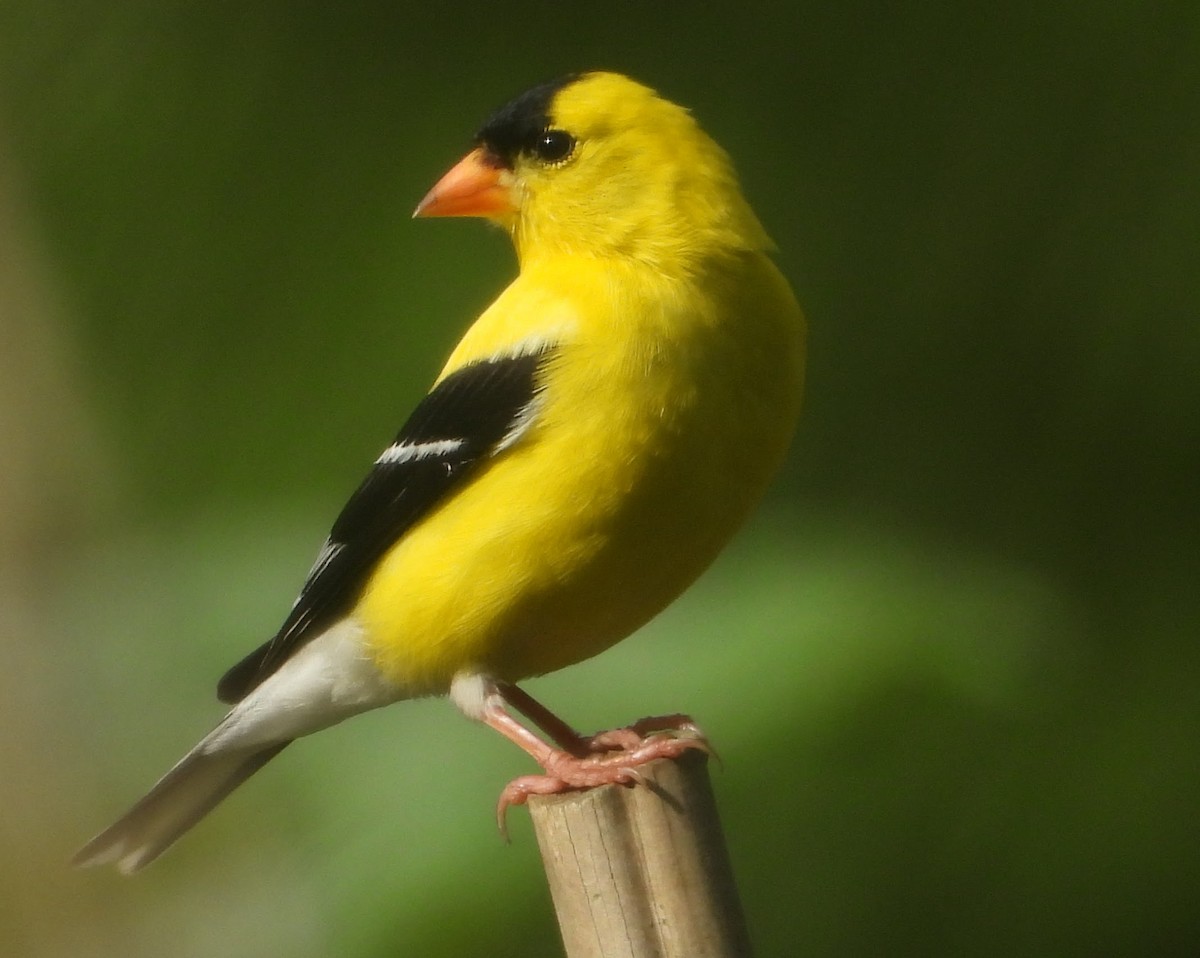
653 443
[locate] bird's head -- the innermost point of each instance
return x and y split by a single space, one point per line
596 164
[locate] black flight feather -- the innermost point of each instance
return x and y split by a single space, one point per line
470 413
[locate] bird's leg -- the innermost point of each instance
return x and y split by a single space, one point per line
580 762
558 730
627 738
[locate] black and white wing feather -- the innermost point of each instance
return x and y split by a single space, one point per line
472 414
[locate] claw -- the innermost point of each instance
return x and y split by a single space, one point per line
613 757
635 777
517 792
579 762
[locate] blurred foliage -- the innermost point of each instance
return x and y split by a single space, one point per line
952 668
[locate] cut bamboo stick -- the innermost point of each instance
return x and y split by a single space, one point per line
642 872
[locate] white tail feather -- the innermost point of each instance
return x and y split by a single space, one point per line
183 796
329 679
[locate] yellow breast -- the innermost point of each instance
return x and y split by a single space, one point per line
663 414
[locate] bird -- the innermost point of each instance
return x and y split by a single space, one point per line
593 441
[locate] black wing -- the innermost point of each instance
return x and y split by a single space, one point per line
470 415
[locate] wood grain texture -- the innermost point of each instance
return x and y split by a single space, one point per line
642 872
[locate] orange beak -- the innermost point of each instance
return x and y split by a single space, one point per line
474 186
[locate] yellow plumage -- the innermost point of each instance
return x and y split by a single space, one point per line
657 435
666 356
665 414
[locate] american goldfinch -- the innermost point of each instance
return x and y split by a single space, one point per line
593 441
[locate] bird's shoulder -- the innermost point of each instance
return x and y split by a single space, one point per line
482 404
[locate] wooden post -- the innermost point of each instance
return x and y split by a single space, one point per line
642 871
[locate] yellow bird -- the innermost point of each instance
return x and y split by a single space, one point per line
593 441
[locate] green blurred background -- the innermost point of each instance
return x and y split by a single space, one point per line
952 667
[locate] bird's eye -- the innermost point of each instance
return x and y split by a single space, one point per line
553 146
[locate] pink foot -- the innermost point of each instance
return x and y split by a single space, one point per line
609 758
632 736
